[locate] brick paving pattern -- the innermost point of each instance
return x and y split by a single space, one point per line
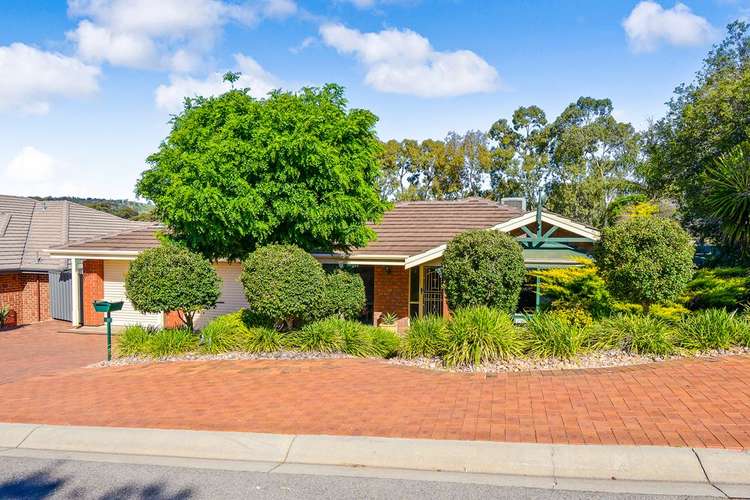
702 403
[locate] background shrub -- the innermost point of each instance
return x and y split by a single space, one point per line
425 338
283 283
478 334
483 268
343 295
223 334
553 335
172 278
645 260
575 287
634 333
721 287
708 329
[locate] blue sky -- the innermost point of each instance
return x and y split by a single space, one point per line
88 86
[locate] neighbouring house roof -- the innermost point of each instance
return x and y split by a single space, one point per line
411 233
29 227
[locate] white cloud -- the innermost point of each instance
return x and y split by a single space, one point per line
404 62
31 78
649 24
258 80
160 34
31 165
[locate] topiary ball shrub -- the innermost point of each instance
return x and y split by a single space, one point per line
283 283
172 278
551 335
425 338
343 295
483 268
479 334
645 260
634 333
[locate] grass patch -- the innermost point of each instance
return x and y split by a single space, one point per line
553 336
425 338
385 343
319 336
479 334
634 333
260 339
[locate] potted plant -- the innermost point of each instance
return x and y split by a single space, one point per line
4 313
388 321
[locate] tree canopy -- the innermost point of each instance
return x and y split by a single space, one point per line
706 118
237 172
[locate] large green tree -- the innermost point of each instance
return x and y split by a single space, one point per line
706 118
297 168
593 159
520 154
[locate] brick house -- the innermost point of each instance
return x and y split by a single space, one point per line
27 229
401 268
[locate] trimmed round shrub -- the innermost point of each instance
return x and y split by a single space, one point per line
483 268
172 278
645 260
634 333
551 335
283 283
425 338
708 329
343 295
479 334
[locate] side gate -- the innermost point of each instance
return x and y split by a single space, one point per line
61 295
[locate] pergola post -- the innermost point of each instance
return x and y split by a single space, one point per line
76 292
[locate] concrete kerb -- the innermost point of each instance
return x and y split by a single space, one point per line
559 465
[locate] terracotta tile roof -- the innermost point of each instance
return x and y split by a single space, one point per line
410 228
134 240
415 226
29 227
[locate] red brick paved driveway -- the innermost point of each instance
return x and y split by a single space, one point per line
41 349
703 403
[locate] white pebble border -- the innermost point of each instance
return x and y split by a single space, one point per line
595 359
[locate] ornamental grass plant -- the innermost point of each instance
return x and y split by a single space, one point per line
480 334
635 334
425 338
708 329
553 335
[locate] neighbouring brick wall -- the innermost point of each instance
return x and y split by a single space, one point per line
392 294
172 320
27 295
93 289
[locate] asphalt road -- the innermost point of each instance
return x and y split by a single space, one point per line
31 478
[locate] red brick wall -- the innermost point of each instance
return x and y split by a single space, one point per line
93 289
392 294
27 295
172 320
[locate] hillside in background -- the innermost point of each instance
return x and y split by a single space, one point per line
126 209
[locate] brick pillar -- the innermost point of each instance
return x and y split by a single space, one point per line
34 298
11 292
391 294
93 289
172 320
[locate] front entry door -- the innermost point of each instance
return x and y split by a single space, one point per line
432 291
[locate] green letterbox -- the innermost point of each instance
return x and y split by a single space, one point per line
104 306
